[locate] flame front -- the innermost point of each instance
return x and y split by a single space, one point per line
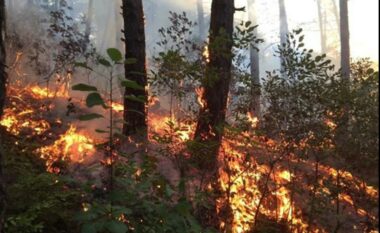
72 145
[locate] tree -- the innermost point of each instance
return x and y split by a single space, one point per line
255 64
135 98
89 16
215 84
322 26
284 30
3 80
218 75
344 39
201 19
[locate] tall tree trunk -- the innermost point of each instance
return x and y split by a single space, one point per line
135 112
209 130
3 73
3 80
322 26
218 75
344 39
87 31
201 20
284 30
255 65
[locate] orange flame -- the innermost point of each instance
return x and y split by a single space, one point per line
72 145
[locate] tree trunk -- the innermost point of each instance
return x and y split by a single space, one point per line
87 32
255 65
344 40
322 26
284 30
135 112
209 130
3 80
218 75
201 20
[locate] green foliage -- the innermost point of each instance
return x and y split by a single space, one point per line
37 201
114 54
94 99
309 101
90 116
142 201
84 87
299 94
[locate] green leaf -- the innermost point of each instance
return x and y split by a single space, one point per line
135 98
94 99
130 61
83 65
116 227
101 131
114 54
104 62
83 87
90 116
131 84
88 228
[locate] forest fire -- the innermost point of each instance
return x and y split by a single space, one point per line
196 128
15 122
42 93
252 189
72 146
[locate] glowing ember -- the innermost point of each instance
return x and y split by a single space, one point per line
72 145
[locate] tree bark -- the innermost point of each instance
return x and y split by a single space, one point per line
344 40
218 75
255 65
209 129
3 80
135 112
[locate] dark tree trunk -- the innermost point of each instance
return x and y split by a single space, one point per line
255 65
3 80
209 130
201 20
344 40
218 75
135 112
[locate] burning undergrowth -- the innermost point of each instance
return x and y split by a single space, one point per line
260 182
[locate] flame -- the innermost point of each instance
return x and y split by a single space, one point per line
200 92
160 124
117 107
206 54
42 93
16 122
252 120
72 145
